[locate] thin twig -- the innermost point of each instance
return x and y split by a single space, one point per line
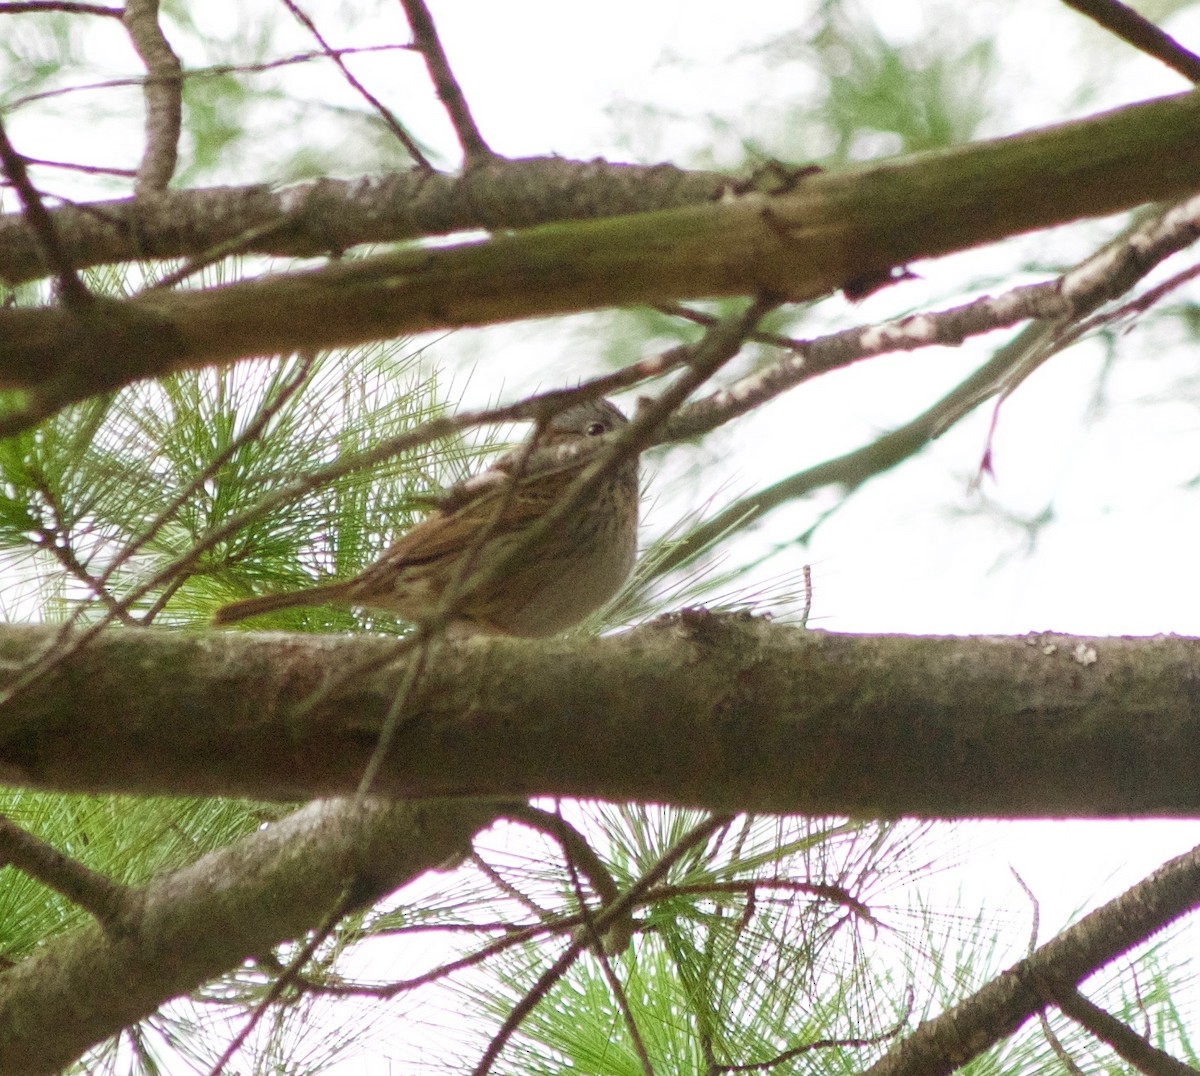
289 975
71 291
1056 1044
1035 923
751 887
236 244
835 351
56 538
429 44
858 1043
23 7
162 92
600 952
88 169
288 388
508 889
212 71
385 113
391 720
1141 33
574 845
511 939
98 894
622 907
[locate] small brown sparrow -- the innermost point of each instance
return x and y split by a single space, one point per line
554 581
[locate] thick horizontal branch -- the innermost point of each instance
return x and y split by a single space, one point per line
191 925
327 216
729 713
830 229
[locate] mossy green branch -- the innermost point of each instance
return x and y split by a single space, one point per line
828 230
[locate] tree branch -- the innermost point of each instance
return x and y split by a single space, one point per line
163 94
99 895
332 215
1141 33
1057 305
950 1040
795 245
194 924
427 42
389 118
1126 1043
701 710
49 244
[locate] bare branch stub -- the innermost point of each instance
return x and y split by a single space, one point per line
427 42
1141 33
163 94
70 288
385 113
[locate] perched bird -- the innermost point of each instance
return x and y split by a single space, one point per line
552 583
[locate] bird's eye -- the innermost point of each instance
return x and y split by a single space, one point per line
595 429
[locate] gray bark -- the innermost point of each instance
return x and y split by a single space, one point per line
718 712
189 926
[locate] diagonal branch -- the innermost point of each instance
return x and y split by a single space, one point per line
1126 1043
191 925
994 1012
798 244
429 44
288 976
389 118
101 896
1057 305
70 288
1141 33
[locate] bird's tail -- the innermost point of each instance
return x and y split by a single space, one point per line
268 603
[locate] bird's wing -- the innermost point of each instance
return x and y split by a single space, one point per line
450 530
